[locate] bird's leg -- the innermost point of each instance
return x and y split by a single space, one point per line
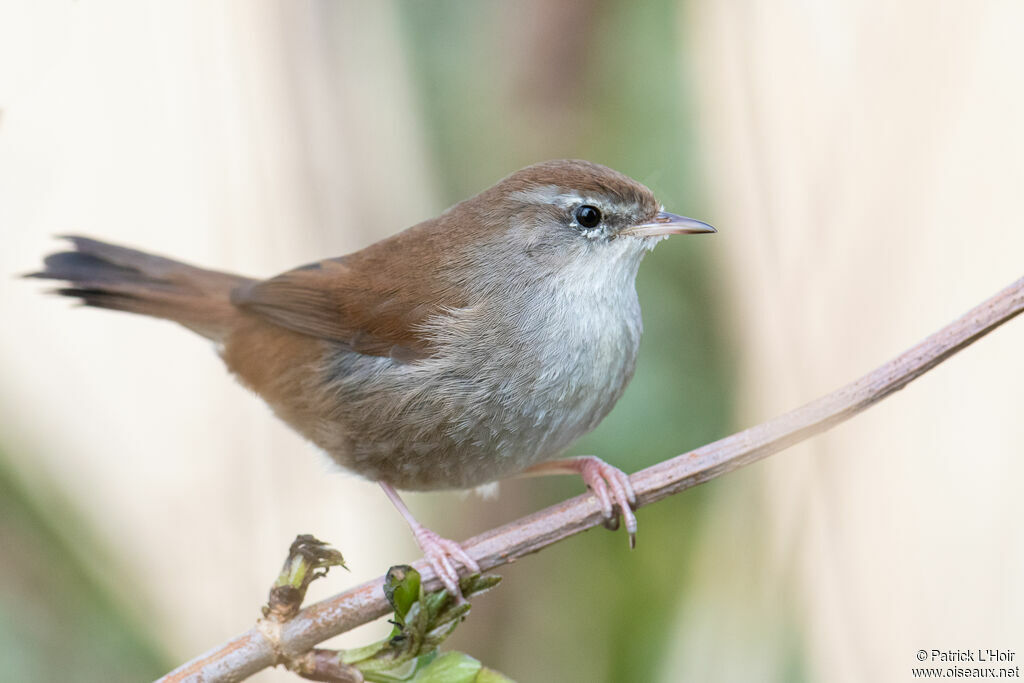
440 552
609 484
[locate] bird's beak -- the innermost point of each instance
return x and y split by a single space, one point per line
668 224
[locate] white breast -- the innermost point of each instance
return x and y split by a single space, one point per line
576 338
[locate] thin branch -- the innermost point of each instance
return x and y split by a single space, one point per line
262 647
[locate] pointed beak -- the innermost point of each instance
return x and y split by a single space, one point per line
668 224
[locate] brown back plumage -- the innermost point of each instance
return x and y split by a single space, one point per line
374 301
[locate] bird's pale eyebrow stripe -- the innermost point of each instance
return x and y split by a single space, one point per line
547 194
552 194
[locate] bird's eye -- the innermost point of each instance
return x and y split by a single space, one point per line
588 216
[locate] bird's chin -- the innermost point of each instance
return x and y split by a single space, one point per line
651 242
643 243
632 248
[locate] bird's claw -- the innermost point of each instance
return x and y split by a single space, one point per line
613 489
442 554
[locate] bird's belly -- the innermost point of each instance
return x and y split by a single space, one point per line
454 422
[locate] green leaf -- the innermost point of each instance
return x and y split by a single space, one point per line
402 589
491 676
451 667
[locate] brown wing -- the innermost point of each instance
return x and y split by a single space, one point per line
355 300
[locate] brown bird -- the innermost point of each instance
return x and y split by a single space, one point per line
474 346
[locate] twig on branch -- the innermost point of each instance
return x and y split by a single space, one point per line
252 651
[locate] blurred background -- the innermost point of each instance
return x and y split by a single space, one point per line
863 163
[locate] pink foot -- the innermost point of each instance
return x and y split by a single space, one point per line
609 484
441 554
612 488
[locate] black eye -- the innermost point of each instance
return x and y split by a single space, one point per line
588 216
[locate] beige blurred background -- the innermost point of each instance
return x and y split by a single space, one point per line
863 162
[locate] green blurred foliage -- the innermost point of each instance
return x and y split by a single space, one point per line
57 621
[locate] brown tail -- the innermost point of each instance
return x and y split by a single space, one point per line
108 276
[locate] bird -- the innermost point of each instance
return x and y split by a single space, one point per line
474 346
